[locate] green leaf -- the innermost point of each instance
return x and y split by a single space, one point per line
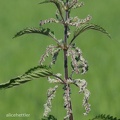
104 117
86 27
43 31
50 117
33 73
59 4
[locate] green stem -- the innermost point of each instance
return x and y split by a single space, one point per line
65 44
67 86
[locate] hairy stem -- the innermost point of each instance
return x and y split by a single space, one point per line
67 87
65 45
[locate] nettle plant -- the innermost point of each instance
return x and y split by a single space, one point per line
66 45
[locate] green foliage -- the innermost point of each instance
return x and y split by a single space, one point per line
33 73
41 30
15 54
59 4
50 117
104 117
86 27
78 62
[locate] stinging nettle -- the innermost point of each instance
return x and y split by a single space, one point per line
70 51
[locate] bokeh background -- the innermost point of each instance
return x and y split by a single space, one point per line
20 54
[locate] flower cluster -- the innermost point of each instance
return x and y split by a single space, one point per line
51 20
48 51
85 101
75 21
67 99
48 104
82 84
57 79
78 62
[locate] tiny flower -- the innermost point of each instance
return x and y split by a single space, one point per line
48 104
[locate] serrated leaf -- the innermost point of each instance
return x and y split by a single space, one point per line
43 31
33 73
59 4
50 117
86 27
104 117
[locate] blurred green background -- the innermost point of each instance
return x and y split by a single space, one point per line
20 54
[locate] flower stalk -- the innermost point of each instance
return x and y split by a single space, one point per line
79 64
67 100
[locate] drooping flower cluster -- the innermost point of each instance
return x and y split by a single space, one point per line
67 99
77 60
48 104
85 101
50 50
75 21
82 84
57 79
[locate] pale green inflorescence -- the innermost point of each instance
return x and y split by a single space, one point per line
48 104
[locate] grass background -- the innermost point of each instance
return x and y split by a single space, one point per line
20 54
